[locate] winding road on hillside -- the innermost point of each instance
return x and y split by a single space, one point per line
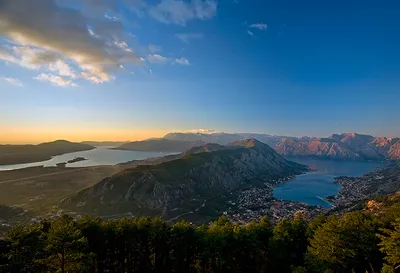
48 174
189 212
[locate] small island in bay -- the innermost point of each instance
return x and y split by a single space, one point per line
76 159
21 154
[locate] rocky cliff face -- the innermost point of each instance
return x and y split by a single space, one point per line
315 147
394 151
194 176
350 146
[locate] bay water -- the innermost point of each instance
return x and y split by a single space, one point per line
95 157
311 187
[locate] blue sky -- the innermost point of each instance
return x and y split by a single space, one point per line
130 69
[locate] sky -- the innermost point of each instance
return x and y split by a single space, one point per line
133 69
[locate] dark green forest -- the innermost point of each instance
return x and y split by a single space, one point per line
361 241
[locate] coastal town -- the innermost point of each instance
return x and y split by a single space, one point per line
254 203
355 189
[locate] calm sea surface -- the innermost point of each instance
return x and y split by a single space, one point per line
309 187
95 157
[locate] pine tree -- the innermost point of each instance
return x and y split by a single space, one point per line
390 246
66 246
26 249
184 248
347 244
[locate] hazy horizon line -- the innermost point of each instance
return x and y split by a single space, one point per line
27 142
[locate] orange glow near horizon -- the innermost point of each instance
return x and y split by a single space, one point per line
39 135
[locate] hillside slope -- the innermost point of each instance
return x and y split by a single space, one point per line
155 189
160 145
316 147
18 154
394 151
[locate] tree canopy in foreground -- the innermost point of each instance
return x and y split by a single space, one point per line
361 241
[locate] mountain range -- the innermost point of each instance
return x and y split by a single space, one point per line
103 143
184 180
161 145
350 146
224 138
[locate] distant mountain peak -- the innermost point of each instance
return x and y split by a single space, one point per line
57 141
249 143
209 147
354 134
351 134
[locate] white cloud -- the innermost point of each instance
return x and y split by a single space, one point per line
6 55
87 41
182 61
112 18
35 58
25 56
179 11
94 74
123 45
154 48
166 11
201 131
13 81
44 34
155 58
186 37
55 80
259 26
63 69
250 33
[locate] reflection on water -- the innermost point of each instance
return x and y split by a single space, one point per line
310 187
95 157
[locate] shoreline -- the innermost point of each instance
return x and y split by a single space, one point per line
326 201
347 192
